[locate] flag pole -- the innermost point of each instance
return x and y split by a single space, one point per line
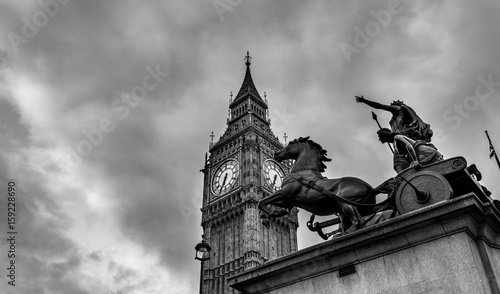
492 150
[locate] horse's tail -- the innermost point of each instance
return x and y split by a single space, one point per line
388 187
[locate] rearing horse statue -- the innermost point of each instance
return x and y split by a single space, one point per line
306 188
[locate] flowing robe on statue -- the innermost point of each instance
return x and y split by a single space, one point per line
426 152
406 122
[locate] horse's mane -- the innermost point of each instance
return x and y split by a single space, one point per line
316 147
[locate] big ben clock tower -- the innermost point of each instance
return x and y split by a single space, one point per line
239 171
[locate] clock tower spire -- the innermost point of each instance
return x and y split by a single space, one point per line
240 171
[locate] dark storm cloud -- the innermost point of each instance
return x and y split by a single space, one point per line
111 59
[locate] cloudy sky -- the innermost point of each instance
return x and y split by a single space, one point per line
106 109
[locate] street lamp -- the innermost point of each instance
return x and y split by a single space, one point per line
202 254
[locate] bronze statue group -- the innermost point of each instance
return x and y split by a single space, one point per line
351 198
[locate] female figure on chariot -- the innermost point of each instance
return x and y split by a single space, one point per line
405 122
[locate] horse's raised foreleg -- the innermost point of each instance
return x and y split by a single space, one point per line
273 199
279 213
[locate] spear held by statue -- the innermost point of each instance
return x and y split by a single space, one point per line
374 116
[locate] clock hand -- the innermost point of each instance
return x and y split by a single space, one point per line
224 181
274 182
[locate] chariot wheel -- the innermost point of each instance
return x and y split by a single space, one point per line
422 189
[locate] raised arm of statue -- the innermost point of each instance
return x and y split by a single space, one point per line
376 105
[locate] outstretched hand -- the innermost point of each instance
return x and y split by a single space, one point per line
360 99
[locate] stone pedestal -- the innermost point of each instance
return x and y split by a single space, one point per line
448 247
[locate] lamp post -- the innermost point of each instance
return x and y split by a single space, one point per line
202 254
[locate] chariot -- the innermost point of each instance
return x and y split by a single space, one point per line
421 187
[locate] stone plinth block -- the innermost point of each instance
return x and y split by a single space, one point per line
448 247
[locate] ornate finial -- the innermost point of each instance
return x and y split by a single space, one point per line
212 138
231 97
247 59
265 97
285 136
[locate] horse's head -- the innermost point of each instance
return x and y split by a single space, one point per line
292 150
307 153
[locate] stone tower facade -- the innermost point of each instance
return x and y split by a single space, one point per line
239 171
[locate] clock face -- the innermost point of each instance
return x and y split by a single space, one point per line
225 177
273 174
